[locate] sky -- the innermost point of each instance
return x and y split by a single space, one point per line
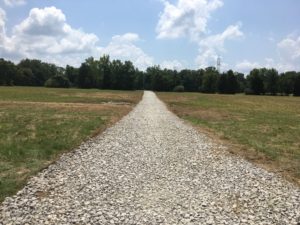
174 34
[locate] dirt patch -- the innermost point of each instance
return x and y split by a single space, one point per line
119 109
116 103
201 113
63 104
102 95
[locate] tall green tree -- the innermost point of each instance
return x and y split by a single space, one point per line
228 83
191 79
24 77
271 81
128 76
286 82
41 71
210 79
105 71
8 71
117 73
232 83
72 74
222 83
242 82
256 82
296 91
139 80
86 77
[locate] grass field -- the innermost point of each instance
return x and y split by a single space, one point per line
264 129
38 124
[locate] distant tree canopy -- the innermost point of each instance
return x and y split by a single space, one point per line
115 74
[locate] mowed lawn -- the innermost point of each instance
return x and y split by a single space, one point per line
38 124
264 129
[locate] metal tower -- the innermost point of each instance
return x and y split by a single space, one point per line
219 64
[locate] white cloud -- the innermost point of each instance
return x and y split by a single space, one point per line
126 38
123 47
207 57
289 48
2 22
45 34
288 59
172 65
217 41
212 46
14 2
49 21
5 42
246 66
187 18
52 34
289 53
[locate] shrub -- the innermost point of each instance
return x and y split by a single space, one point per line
179 88
249 91
58 82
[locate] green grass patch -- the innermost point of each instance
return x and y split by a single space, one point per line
37 125
268 124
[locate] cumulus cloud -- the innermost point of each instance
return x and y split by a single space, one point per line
14 2
46 35
289 48
172 65
123 47
49 21
186 18
189 18
206 58
2 22
217 41
289 53
128 37
245 66
211 46
5 42
52 35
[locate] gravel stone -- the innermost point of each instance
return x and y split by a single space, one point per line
152 168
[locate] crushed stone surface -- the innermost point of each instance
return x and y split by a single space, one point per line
152 168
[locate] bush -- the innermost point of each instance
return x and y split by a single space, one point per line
179 88
58 82
249 91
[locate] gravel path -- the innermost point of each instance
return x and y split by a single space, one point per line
152 168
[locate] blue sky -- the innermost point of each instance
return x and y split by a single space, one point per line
172 33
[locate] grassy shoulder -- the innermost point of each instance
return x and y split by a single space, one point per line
263 129
38 124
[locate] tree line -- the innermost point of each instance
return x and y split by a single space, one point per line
117 75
